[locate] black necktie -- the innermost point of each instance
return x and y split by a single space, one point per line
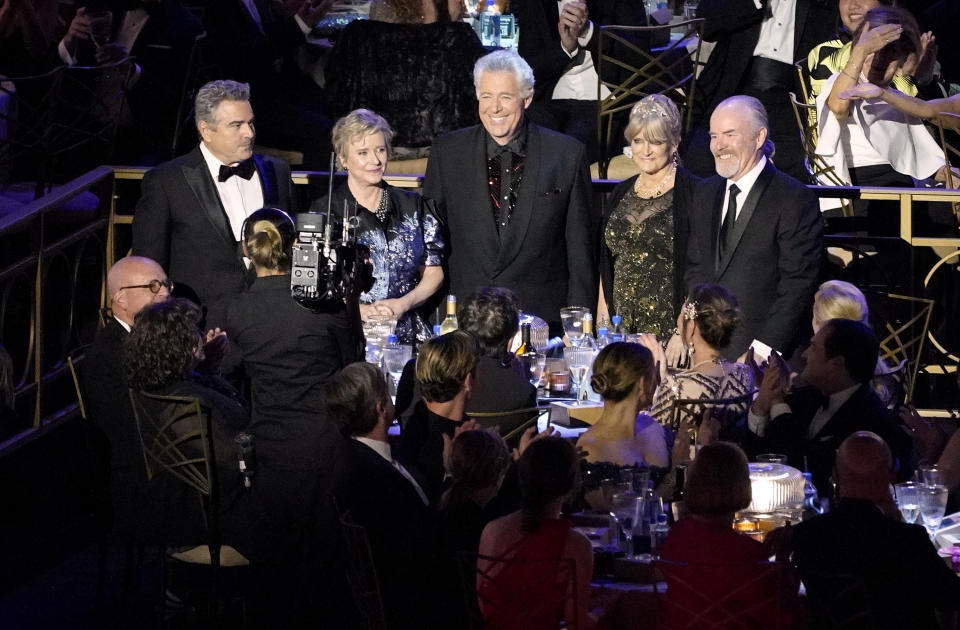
243 169
726 230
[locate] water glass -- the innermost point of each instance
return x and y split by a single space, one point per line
624 507
572 319
534 362
578 362
933 505
395 358
908 500
930 474
610 487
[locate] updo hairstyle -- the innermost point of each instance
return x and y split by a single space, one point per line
715 311
619 367
268 236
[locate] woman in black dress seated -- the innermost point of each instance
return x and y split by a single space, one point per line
644 227
399 227
159 356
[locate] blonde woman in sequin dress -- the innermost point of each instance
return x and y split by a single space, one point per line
645 226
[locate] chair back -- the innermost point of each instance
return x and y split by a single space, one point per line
905 320
509 424
728 410
27 106
545 597
946 122
705 596
631 66
837 601
362 575
417 76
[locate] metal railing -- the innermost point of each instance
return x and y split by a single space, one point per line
54 253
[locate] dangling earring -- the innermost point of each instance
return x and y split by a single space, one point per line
676 159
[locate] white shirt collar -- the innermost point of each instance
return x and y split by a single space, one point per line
749 178
213 162
382 448
126 326
837 399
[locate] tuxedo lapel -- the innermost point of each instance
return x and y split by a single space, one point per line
854 405
746 213
201 183
268 181
474 182
713 241
512 241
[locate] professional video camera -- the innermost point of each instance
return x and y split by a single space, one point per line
328 269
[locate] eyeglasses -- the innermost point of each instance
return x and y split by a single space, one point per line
154 286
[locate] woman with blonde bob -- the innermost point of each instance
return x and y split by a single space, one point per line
399 227
644 227
836 299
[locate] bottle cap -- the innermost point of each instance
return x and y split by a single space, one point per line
603 331
616 319
451 298
391 339
436 329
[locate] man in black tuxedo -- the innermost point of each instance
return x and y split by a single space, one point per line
757 43
863 542
191 209
755 231
133 282
514 199
388 499
561 46
809 423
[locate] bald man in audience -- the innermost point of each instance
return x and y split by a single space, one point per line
132 282
863 542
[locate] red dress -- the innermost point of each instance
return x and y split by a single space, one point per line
528 586
719 562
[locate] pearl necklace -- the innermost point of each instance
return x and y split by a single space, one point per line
646 193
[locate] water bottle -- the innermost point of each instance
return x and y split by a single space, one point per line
617 334
603 337
490 25
811 500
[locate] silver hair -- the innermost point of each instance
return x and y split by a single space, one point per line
505 61
215 92
758 117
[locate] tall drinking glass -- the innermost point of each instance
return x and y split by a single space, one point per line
933 505
534 362
624 507
578 362
395 358
908 500
572 319
930 474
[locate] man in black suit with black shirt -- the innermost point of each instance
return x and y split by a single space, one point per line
191 209
809 423
755 231
514 199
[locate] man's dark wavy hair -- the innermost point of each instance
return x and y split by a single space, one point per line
159 351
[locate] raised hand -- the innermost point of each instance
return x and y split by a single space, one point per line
874 39
573 23
862 91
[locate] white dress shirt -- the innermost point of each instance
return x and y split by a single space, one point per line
383 450
745 184
580 82
240 197
776 31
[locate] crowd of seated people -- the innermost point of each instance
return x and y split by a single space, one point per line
505 218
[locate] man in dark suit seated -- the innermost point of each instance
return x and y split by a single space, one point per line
375 491
191 209
513 198
809 423
755 231
133 282
862 544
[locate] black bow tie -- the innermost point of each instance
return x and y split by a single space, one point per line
243 169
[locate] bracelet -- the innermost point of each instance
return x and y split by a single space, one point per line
843 71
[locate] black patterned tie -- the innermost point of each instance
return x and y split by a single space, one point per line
726 230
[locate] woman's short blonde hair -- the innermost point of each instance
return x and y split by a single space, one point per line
837 299
357 124
719 481
657 118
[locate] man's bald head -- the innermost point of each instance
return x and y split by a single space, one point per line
126 282
864 466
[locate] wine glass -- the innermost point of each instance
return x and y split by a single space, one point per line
572 318
395 358
535 362
578 362
907 500
932 501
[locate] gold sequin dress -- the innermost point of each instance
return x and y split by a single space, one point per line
639 235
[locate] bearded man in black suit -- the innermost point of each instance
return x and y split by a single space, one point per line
514 199
191 209
755 231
